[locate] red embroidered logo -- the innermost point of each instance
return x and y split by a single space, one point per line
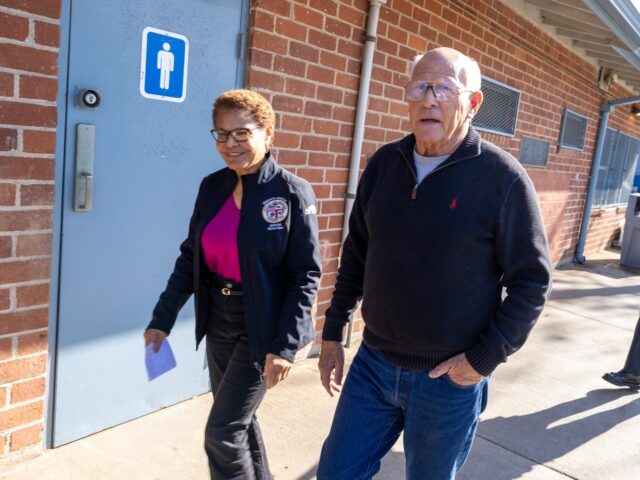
453 204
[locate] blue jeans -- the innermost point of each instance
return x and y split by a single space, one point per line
379 401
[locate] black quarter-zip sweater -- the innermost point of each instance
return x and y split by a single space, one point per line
279 260
430 261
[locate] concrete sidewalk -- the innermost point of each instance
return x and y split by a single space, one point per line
550 415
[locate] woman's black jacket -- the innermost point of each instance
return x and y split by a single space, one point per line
279 260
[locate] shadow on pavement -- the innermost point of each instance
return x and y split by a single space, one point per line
551 433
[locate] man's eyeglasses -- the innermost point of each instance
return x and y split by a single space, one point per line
444 91
239 134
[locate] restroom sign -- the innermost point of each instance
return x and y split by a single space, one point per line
163 65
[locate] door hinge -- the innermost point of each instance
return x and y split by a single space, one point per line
240 46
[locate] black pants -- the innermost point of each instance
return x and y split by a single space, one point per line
233 441
632 364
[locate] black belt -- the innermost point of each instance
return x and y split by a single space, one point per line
227 288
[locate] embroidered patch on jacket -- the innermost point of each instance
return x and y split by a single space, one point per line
275 211
310 210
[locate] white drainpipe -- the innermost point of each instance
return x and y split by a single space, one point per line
361 112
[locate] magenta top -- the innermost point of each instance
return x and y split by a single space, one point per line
220 242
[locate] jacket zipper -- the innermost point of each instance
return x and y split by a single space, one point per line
252 358
414 190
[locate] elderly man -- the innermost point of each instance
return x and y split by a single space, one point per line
443 222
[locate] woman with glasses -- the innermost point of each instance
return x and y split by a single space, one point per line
252 261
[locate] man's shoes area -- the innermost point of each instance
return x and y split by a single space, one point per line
622 379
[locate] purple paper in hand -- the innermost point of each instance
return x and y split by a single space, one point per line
159 362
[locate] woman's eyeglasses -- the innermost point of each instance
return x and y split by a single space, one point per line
239 134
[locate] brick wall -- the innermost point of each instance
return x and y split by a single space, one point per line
305 56
29 42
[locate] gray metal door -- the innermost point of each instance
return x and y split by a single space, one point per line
123 220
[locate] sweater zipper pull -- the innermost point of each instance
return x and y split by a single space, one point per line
414 192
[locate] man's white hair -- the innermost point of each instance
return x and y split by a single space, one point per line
469 71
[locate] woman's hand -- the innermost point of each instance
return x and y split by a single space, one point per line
275 370
156 336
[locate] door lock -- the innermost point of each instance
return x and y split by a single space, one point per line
89 98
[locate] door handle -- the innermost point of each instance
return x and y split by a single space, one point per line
83 177
88 190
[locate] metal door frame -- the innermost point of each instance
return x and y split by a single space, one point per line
58 206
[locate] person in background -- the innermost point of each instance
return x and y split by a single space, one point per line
252 261
443 221
629 376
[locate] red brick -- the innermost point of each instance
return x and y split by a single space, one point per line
328 7
5 247
263 20
32 295
6 84
26 436
32 343
329 94
289 66
322 40
258 58
314 143
28 59
28 390
315 109
291 29
283 103
40 88
8 139
265 80
338 28
277 6
340 146
48 8
287 140
296 123
321 74
337 175
18 113
344 114
14 322
291 157
21 168
37 141
312 175
326 127
308 17
305 52
13 26
6 346
353 16
300 88
16 416
317 159
47 34
25 271
31 195
31 245
347 81
351 49
7 194
25 220
331 60
269 42
21 368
